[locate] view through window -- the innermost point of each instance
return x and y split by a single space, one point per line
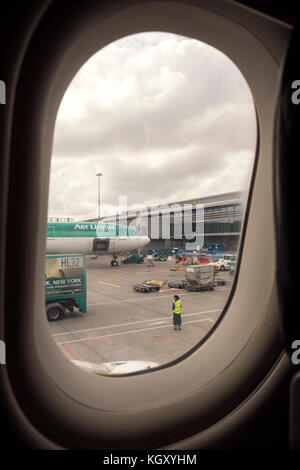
153 152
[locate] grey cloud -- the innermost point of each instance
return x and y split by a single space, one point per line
195 119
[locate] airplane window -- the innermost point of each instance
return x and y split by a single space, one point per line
152 130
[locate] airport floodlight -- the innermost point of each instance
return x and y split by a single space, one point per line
99 175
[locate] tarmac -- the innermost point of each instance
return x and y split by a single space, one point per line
124 325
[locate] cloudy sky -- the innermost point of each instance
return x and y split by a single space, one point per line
162 117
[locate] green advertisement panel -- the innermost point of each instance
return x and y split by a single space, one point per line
64 286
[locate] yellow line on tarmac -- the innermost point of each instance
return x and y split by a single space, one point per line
108 284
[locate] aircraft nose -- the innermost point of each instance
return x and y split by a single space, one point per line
146 240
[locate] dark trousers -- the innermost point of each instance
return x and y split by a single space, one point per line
176 319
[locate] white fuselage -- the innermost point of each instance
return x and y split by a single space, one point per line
86 245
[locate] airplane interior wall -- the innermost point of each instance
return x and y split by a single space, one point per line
266 426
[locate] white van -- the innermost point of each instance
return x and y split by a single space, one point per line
223 264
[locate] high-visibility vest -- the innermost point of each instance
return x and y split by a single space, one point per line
177 308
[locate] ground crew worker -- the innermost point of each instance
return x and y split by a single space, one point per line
176 308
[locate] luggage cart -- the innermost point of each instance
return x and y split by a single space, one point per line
200 278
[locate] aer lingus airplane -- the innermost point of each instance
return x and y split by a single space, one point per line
93 238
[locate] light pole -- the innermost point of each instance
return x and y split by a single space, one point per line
99 175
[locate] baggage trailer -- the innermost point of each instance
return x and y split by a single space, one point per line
144 287
65 285
152 285
200 277
177 284
220 281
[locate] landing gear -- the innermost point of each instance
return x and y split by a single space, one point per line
114 261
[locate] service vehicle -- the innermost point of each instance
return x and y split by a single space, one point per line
65 285
133 258
159 257
200 277
223 264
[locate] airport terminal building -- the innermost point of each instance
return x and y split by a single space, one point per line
218 219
